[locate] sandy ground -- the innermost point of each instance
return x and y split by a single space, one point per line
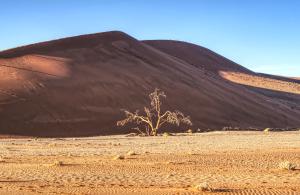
230 162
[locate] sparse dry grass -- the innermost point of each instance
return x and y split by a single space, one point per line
119 157
286 165
57 163
192 153
52 144
131 153
204 187
267 130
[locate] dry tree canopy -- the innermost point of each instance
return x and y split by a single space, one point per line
154 118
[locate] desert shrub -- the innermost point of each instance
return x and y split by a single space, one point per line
287 165
166 134
204 187
119 157
131 153
58 163
192 153
267 129
154 118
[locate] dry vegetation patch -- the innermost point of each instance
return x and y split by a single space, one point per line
286 165
58 163
204 187
119 157
166 134
2 160
267 130
131 153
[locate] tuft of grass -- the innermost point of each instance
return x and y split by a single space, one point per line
2 160
170 175
267 130
52 144
131 135
287 166
204 187
119 157
166 134
170 162
131 153
58 163
192 153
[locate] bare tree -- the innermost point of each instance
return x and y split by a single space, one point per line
154 118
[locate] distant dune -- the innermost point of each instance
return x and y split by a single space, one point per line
76 86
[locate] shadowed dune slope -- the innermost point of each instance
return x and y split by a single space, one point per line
76 86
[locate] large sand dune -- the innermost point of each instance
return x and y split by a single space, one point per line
76 86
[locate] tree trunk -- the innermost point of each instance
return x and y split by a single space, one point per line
154 132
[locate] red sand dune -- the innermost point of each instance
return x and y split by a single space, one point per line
76 86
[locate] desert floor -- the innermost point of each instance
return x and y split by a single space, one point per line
230 162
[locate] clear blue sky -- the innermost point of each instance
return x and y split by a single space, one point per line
262 35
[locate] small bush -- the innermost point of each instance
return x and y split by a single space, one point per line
131 153
119 157
204 187
58 163
287 166
192 153
267 130
166 134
